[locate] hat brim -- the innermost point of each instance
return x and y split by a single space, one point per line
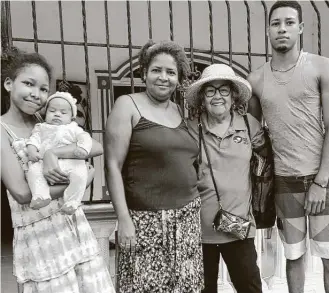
242 85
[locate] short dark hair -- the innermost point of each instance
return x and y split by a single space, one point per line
292 4
152 49
12 62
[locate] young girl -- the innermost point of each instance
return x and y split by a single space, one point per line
52 251
59 129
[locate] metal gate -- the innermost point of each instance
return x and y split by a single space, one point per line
236 44
230 32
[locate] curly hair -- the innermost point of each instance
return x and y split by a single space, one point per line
12 62
152 49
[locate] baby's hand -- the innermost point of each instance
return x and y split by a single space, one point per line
33 153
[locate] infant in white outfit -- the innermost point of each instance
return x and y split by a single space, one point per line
59 129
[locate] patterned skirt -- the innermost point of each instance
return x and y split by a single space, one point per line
60 254
90 276
168 254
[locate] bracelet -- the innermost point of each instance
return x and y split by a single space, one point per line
318 184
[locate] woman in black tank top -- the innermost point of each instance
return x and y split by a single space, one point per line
150 158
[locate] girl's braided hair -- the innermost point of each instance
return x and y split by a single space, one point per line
152 49
12 62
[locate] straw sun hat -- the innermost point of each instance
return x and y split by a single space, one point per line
218 72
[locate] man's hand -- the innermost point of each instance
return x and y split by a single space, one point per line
33 153
315 201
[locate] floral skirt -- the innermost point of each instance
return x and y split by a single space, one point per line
168 254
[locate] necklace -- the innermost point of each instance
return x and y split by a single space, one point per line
283 70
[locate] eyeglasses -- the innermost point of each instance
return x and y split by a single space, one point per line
223 90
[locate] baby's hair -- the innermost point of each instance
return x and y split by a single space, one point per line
152 49
12 62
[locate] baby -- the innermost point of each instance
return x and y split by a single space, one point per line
59 129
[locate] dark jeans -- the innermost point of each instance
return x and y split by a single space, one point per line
240 258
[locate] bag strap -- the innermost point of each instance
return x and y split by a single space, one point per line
247 124
201 139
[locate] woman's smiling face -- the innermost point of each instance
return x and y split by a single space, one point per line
161 77
217 97
29 90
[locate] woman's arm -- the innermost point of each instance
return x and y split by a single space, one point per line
69 151
51 169
117 138
13 175
56 191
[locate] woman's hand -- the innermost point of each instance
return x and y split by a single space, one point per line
126 234
91 174
51 170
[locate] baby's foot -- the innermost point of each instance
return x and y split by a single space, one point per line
38 203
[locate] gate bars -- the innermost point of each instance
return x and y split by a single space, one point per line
8 39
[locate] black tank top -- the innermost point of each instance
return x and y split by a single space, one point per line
159 172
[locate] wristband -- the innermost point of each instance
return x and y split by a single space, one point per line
318 184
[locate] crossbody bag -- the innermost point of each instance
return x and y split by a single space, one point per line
224 221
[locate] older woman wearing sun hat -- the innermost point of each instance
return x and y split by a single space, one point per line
220 97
